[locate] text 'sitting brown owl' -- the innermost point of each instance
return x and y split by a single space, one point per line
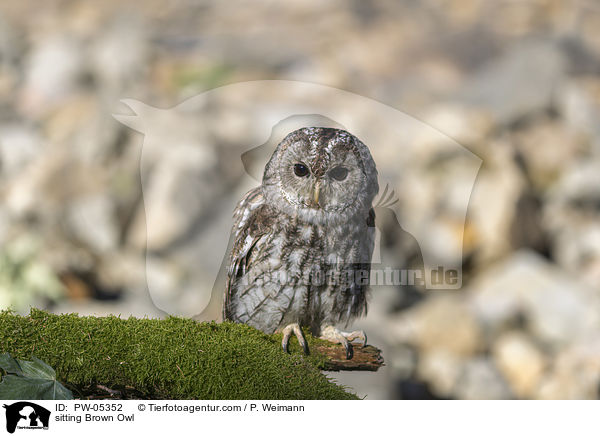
303 240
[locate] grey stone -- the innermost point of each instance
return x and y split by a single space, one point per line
521 362
481 380
556 306
529 72
92 220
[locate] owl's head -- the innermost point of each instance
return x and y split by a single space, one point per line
321 175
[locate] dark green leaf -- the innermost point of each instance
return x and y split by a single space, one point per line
36 369
22 388
10 365
30 380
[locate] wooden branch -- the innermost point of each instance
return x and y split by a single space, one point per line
365 359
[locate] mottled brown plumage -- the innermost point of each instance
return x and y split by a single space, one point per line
303 240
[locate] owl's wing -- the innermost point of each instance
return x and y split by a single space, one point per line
251 222
357 292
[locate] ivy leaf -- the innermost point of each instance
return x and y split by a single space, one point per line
10 365
14 387
37 369
30 380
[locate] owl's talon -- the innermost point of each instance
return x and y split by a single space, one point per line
287 334
305 348
331 334
349 350
357 334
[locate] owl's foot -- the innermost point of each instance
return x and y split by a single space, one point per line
287 333
331 334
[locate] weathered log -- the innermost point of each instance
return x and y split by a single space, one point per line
364 359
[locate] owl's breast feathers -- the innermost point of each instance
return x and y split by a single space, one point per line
270 257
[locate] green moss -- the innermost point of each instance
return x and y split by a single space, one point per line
174 358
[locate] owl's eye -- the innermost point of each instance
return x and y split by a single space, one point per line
338 173
301 170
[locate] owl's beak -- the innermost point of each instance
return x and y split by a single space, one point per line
316 193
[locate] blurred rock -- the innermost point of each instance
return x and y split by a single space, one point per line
572 217
442 370
560 145
590 22
465 124
493 203
576 373
26 193
555 305
165 278
440 323
402 361
124 269
529 72
25 279
83 123
175 197
521 363
92 221
180 175
579 103
119 54
54 70
481 380
19 145
435 189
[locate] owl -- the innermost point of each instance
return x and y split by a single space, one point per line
303 240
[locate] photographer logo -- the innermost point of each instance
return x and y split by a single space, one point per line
26 415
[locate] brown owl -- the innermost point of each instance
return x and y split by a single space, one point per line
303 240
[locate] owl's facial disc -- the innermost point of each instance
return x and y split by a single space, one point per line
321 175
327 181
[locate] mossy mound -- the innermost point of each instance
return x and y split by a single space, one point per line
174 358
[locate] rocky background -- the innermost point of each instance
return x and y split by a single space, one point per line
516 83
